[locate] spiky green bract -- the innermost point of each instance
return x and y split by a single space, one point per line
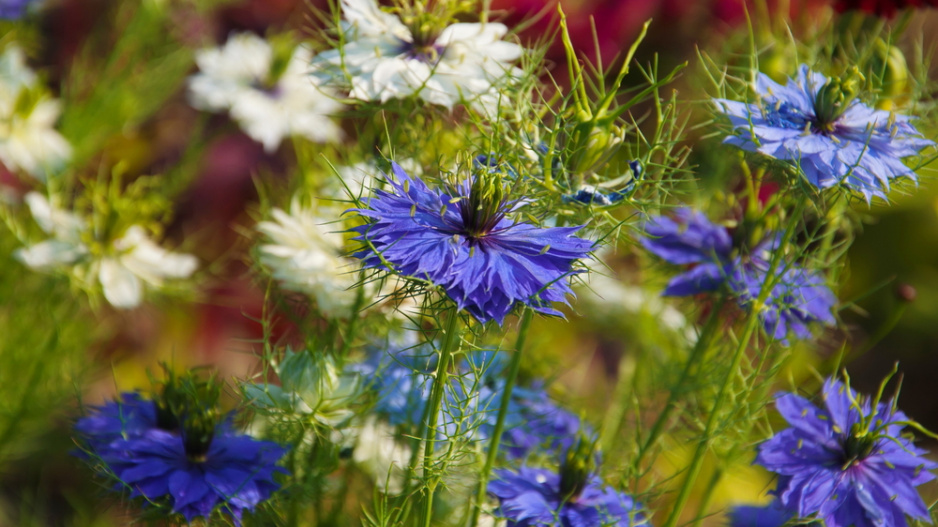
467 244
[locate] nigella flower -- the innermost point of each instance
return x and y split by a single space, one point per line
798 297
268 102
817 124
771 515
129 416
534 497
690 238
536 422
29 142
121 265
176 451
846 461
468 245
13 9
382 58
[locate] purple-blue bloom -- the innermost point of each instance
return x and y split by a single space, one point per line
691 238
467 244
771 515
179 454
13 9
235 473
816 123
798 298
130 416
532 497
846 462
537 422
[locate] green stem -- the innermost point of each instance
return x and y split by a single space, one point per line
703 342
707 498
495 440
697 461
436 399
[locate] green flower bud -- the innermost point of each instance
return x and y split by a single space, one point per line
888 69
835 96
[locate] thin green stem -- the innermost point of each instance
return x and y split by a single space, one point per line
697 461
495 440
703 342
436 399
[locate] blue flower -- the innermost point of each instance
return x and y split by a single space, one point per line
846 462
178 451
13 9
467 244
130 416
537 422
798 298
817 124
234 472
690 238
603 197
532 497
771 515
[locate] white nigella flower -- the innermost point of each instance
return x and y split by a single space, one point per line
383 59
304 254
28 140
122 268
240 77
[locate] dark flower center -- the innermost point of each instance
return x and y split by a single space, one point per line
857 446
425 50
272 90
187 406
483 208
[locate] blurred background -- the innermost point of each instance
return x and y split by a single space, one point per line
890 296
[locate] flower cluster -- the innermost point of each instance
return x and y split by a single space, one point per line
846 461
187 460
382 58
120 265
28 141
819 125
242 77
467 244
534 497
798 298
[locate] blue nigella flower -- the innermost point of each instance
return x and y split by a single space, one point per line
690 238
537 422
846 462
798 298
817 124
467 244
179 452
13 9
130 416
533 497
233 473
771 515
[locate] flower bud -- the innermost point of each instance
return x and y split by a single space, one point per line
889 71
577 468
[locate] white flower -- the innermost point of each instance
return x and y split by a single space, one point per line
381 59
28 140
237 78
128 262
379 454
304 255
137 259
362 177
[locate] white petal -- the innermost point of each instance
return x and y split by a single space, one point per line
121 287
50 253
